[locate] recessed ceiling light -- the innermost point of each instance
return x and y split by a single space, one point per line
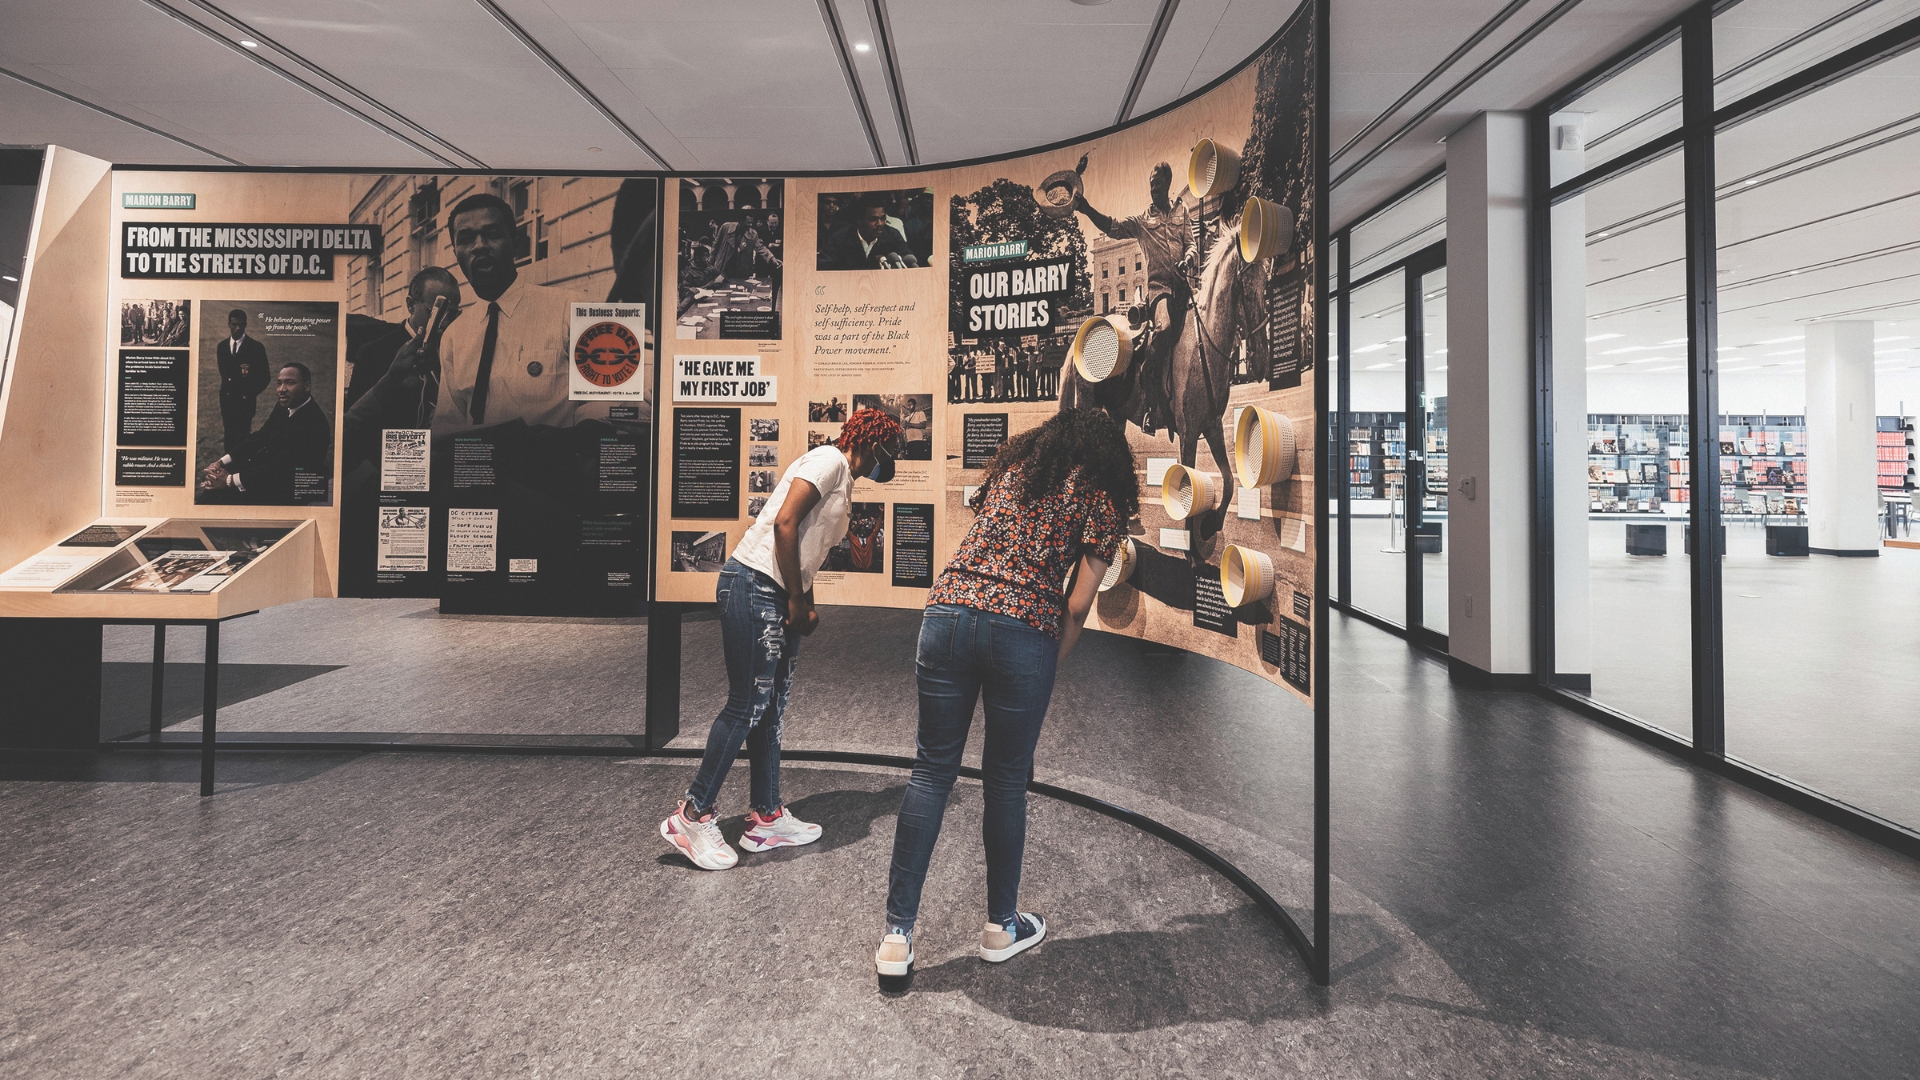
249 43
861 46
1602 234
593 149
1750 183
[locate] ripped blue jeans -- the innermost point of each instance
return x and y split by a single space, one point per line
761 652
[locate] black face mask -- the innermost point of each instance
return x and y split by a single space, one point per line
882 466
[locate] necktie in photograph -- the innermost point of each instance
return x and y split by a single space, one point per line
478 411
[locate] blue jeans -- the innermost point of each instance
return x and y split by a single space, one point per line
965 655
761 653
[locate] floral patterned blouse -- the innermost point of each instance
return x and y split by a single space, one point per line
1015 559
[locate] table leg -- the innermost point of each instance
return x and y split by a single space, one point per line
209 708
159 678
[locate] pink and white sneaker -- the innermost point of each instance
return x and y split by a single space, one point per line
780 830
699 841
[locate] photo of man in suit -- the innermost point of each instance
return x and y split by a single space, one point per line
505 359
867 241
243 374
285 463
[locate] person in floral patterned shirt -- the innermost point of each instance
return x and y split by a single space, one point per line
1006 610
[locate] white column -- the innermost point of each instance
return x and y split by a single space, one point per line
1843 492
1489 405
1572 621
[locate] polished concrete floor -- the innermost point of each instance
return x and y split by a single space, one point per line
1822 653
1518 892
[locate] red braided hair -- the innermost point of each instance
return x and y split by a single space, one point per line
867 428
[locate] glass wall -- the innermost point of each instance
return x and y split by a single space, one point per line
1819 249
1432 541
1629 629
1814 362
1334 365
1376 450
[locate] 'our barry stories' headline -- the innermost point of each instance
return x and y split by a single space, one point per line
1009 298
249 251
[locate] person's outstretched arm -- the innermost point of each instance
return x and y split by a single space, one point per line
1080 596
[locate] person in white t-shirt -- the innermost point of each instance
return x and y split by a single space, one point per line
765 595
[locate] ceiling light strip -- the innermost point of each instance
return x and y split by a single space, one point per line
889 62
1539 27
566 76
338 83
253 55
1480 35
838 36
1161 22
104 111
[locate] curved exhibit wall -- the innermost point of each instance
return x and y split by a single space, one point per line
956 305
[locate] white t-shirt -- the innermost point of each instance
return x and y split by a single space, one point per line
825 467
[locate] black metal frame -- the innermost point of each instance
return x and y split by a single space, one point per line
1414 266
1700 123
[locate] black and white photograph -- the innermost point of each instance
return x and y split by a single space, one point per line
830 411
915 413
156 322
763 454
764 429
268 378
699 552
817 438
246 544
730 259
1026 368
875 230
863 549
760 481
166 573
755 504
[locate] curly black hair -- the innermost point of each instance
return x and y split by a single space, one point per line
1086 439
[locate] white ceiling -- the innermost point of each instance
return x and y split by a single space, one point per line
745 85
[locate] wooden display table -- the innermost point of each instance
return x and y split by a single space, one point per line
51 647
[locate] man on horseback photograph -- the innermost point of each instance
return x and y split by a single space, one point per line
1165 233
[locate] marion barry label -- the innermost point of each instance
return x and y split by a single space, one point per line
723 378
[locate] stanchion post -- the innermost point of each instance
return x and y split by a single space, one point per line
663 673
209 707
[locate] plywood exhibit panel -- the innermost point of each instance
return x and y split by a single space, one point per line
960 316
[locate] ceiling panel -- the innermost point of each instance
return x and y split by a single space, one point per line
131 58
752 84
998 75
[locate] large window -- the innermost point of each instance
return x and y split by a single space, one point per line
1621 359
1390 430
1733 244
1819 250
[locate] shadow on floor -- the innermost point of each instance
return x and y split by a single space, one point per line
126 691
845 817
1205 969
235 771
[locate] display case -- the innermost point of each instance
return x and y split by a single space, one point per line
165 569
